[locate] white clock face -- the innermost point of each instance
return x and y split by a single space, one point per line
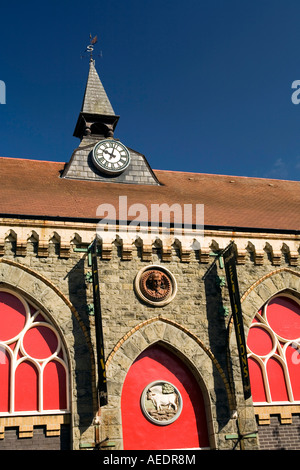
111 156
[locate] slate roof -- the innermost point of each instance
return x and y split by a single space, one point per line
35 189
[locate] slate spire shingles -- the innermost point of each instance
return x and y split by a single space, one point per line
95 99
96 116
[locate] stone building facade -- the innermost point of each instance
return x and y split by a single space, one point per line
184 338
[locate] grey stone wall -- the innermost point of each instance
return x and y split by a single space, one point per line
195 325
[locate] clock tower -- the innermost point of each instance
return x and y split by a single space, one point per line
100 155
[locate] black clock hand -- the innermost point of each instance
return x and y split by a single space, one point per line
113 148
110 154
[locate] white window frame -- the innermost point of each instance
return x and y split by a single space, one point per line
39 364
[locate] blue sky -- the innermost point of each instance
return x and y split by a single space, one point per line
200 86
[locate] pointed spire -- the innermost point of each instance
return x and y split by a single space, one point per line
97 115
95 99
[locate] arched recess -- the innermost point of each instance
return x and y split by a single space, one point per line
43 294
188 348
163 399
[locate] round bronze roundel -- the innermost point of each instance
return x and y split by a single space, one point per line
155 285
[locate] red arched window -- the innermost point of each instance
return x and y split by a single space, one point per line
274 352
33 361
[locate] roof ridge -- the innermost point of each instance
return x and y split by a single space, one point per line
168 171
227 176
32 160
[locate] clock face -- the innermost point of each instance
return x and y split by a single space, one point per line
111 156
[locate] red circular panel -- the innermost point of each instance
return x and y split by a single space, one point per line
12 316
40 342
259 341
283 316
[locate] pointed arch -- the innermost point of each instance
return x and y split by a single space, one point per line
44 293
267 365
262 290
179 340
40 291
174 336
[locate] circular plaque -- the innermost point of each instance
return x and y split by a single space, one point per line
161 402
155 285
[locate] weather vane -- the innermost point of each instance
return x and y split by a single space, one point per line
90 47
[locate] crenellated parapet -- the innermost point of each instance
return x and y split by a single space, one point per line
67 237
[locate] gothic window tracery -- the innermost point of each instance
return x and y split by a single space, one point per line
274 352
33 361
